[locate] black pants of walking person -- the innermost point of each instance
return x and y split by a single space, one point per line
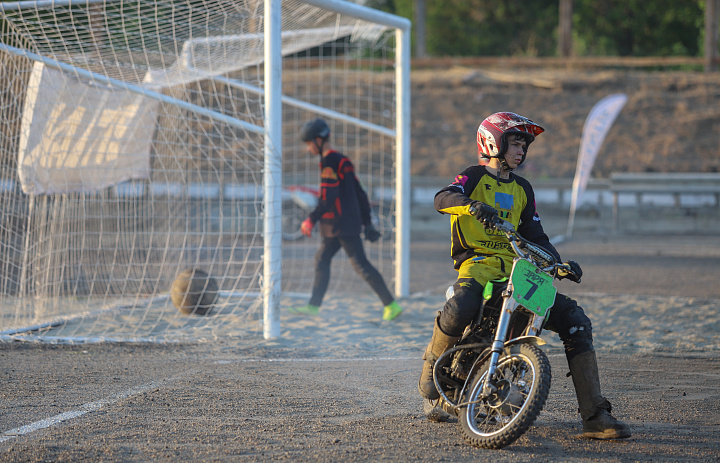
353 247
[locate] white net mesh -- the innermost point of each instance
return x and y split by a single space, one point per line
132 149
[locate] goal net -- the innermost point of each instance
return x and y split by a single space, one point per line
132 148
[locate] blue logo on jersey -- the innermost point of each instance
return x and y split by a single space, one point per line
504 201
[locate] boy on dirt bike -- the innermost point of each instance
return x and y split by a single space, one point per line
343 211
476 199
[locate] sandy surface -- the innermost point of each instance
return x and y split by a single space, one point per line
342 387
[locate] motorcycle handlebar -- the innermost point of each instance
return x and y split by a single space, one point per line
530 249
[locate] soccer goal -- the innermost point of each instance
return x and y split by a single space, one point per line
144 141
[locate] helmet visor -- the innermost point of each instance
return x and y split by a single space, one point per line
511 122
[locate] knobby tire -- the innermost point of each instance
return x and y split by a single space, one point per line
520 409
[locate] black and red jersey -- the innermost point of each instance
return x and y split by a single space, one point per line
343 206
514 200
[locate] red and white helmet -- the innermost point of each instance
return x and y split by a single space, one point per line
492 134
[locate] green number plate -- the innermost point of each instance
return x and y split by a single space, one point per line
532 288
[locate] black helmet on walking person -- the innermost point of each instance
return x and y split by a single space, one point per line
313 129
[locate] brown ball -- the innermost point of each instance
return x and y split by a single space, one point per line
194 291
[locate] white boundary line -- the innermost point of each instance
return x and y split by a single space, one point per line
85 408
332 359
97 405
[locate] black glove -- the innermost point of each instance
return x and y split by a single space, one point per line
575 273
371 233
488 215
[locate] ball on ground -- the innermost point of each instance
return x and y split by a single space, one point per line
194 291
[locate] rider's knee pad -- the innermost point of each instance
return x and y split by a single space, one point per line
462 307
578 342
577 339
573 326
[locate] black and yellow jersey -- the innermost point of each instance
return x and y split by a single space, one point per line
514 200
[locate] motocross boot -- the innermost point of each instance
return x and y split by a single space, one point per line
595 409
439 343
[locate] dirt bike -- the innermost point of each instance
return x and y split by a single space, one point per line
496 379
298 201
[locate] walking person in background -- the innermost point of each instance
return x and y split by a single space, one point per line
343 211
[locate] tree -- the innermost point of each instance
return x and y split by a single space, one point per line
637 27
531 27
565 28
711 34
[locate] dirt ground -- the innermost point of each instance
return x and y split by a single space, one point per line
198 406
249 399
347 399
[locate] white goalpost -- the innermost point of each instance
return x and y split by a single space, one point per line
142 140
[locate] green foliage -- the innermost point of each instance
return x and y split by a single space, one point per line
529 27
474 28
638 27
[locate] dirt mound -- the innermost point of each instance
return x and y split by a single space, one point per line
671 121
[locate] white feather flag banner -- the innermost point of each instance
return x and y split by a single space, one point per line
596 127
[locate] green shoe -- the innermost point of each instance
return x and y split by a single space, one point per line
305 310
391 311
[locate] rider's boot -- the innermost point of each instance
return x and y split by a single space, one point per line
439 343
595 409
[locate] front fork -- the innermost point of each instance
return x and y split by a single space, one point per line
508 307
532 330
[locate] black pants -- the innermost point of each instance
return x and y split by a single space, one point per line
354 249
567 318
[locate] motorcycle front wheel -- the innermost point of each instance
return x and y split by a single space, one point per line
521 386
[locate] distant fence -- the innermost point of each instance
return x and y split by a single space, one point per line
691 201
679 190
556 191
579 62
684 190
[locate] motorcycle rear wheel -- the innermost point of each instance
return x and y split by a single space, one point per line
522 380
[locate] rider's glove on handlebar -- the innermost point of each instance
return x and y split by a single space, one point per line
575 273
488 215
